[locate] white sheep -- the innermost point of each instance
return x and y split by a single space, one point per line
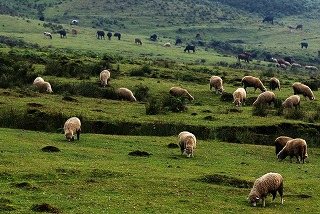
126 94
264 98
187 142
310 67
177 91
299 88
104 77
270 183
295 147
274 83
42 85
250 81
72 126
292 101
216 82
167 45
239 96
280 142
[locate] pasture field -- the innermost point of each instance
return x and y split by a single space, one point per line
96 175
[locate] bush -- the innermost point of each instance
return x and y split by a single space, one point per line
161 104
260 110
141 92
294 114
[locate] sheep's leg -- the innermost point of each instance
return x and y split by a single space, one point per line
274 193
263 201
78 134
280 190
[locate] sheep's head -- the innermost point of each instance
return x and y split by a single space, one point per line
253 199
281 156
220 90
69 136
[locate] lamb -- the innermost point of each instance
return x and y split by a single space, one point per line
280 142
126 94
265 97
310 67
239 96
274 83
42 85
292 101
177 91
295 147
72 126
104 77
269 183
250 81
187 142
216 82
303 89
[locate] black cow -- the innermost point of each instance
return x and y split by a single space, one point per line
109 34
304 44
100 34
117 35
63 33
190 48
178 42
288 59
153 37
268 19
244 56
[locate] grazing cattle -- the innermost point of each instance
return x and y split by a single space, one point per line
100 34
198 36
74 32
137 41
47 35
63 33
117 35
153 37
74 22
288 59
178 42
190 48
299 27
167 45
109 34
268 19
244 56
304 45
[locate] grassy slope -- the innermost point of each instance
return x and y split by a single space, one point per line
97 175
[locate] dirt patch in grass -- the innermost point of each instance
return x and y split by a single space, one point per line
50 149
36 105
208 117
173 145
226 181
301 196
24 185
100 173
45 208
70 99
139 153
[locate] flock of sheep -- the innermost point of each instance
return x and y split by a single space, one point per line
270 183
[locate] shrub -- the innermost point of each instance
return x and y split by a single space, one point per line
260 110
162 104
141 92
293 113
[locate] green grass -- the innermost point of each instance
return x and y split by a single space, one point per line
96 175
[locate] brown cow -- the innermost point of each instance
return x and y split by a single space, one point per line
74 32
244 56
299 27
138 41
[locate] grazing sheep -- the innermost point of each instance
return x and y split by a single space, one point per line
216 82
310 67
126 94
295 147
295 65
292 101
177 91
303 89
104 77
274 83
250 81
239 96
274 60
267 184
280 142
265 97
187 142
72 126
42 85
167 45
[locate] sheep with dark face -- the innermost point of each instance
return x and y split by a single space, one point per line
250 81
72 126
274 83
104 77
280 142
126 94
177 91
187 143
270 183
299 88
295 147
292 101
216 82
264 98
239 96
42 85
